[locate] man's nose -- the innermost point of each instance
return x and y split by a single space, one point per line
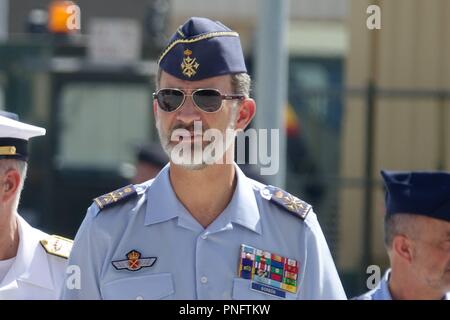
188 112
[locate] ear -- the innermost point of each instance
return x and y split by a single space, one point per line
11 182
402 246
246 112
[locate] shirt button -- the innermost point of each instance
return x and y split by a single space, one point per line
204 236
203 279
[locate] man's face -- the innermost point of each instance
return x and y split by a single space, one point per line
185 116
431 253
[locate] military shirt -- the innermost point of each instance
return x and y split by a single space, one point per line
148 246
381 291
36 273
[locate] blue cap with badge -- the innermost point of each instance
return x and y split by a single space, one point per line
202 48
423 193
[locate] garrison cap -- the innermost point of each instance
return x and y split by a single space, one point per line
423 193
202 48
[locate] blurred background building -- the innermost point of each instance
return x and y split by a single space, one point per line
357 101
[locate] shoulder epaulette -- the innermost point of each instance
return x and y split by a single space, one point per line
115 197
287 201
57 246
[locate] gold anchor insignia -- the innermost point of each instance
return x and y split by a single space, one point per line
189 65
57 245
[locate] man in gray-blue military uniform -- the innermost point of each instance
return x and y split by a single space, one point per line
417 237
201 229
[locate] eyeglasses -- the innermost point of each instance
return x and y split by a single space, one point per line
207 100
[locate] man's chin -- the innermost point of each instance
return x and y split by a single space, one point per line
190 164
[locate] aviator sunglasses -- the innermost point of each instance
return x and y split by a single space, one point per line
207 100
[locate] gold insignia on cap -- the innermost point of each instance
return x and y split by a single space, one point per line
7 151
57 246
189 65
196 39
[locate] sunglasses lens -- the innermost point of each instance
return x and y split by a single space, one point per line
208 100
169 99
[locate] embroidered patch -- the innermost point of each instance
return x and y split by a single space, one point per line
116 196
287 201
189 65
134 262
57 246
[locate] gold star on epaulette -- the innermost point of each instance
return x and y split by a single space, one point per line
57 246
289 202
116 196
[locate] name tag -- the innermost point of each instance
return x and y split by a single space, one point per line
268 290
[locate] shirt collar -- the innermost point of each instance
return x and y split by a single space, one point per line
384 286
31 264
163 205
243 208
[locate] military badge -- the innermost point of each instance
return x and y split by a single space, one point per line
287 201
115 197
270 273
189 65
57 246
134 262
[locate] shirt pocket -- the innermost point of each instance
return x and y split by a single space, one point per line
148 287
242 291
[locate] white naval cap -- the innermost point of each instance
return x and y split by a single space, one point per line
14 136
